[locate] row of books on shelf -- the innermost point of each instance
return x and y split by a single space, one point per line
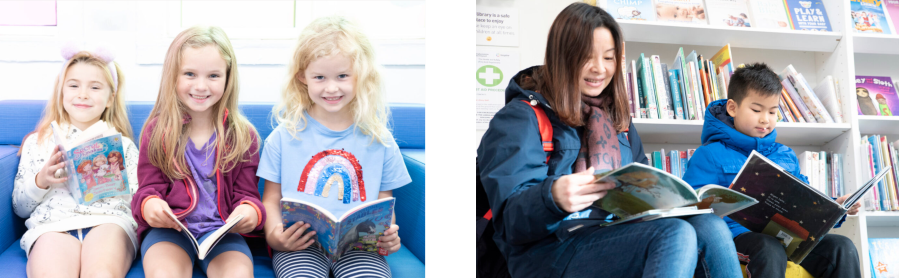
824 172
884 254
674 162
877 154
767 14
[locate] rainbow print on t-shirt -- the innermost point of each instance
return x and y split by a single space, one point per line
337 168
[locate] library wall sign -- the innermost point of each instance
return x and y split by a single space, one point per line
492 73
497 26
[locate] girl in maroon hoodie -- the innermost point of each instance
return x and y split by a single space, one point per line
198 161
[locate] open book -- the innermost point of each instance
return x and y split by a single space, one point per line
204 247
94 163
790 210
645 193
358 229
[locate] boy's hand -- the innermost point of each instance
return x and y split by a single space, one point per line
852 210
249 221
155 214
46 176
575 192
291 239
390 241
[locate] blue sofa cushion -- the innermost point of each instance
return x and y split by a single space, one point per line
11 226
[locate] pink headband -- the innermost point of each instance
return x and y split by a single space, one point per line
70 49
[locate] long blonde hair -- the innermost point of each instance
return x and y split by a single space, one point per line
329 36
169 136
115 115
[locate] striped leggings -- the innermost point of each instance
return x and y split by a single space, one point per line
312 262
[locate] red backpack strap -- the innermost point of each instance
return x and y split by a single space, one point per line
546 128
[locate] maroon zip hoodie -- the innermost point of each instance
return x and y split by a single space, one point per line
232 188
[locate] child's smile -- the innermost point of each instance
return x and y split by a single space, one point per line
331 86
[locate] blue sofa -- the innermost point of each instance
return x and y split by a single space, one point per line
18 117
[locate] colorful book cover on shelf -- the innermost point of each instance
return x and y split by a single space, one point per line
686 11
806 94
640 10
876 95
648 89
734 13
788 209
892 11
808 15
884 253
674 80
95 166
803 110
868 16
358 229
770 14
724 62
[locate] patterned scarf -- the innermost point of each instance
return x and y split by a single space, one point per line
599 145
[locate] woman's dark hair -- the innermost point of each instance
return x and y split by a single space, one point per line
568 47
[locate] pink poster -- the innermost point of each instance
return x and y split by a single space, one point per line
27 13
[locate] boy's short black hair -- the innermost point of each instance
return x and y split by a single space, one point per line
757 77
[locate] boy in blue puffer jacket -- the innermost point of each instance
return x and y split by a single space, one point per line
733 129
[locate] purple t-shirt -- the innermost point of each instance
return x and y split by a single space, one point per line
205 217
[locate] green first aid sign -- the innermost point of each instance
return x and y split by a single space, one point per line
489 76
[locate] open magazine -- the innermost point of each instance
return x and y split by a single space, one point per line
94 163
204 247
645 193
790 210
358 229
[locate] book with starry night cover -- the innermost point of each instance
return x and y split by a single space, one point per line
790 210
358 229
94 163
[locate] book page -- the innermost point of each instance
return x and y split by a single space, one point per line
320 221
185 232
641 188
361 227
216 236
723 200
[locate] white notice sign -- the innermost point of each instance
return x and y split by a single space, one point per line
494 70
497 26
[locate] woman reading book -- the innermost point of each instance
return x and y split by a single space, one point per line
541 201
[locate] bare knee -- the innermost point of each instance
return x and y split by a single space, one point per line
99 273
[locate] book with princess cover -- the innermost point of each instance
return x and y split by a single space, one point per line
808 15
868 16
884 254
644 193
358 229
876 95
94 163
788 209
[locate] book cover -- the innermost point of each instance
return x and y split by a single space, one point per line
734 13
684 11
868 16
630 92
791 107
770 14
639 104
803 110
827 93
661 91
648 92
640 10
94 163
358 229
693 67
876 95
884 253
683 163
807 15
685 87
788 209
892 11
724 65
203 248
806 94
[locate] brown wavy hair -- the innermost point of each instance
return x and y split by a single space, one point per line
118 155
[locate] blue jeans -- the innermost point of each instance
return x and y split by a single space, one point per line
717 253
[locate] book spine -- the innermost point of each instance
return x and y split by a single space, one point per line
894 160
780 109
675 162
668 91
870 200
722 84
826 92
630 94
639 109
780 115
657 160
690 93
690 153
649 159
792 106
713 79
668 164
673 76
794 96
705 86
683 163
648 89
697 92
661 91
805 91
888 159
822 171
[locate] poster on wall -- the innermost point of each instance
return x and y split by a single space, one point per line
497 26
494 70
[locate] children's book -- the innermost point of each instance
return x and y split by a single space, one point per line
724 65
641 188
733 13
868 17
827 93
803 110
204 247
685 85
640 10
808 15
94 163
661 92
358 229
876 95
674 80
891 7
770 14
684 11
790 210
884 254
646 80
806 94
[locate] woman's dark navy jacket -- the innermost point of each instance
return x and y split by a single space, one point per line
531 231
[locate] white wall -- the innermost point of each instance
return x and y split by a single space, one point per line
140 33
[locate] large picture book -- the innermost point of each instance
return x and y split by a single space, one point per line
640 10
640 189
876 95
203 248
685 11
884 254
94 163
358 229
769 14
734 13
868 17
808 15
788 209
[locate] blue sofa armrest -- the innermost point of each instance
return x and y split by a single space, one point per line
11 226
410 205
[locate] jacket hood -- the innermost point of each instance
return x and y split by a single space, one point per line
719 127
514 90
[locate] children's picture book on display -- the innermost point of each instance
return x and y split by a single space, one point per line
891 8
642 191
808 15
790 210
884 254
734 13
876 95
214 237
94 163
358 229
640 10
770 14
685 11
868 16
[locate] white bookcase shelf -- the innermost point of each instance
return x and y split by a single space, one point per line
878 125
882 218
692 34
654 131
876 43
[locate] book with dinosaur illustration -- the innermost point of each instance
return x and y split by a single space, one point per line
358 229
642 193
94 163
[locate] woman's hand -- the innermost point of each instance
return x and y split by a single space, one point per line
156 213
390 241
291 239
248 222
47 175
575 192
852 210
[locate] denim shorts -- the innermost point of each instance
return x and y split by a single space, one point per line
80 234
231 242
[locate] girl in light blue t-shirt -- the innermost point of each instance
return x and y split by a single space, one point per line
332 114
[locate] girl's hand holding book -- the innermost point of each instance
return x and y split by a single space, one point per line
575 192
46 176
390 241
248 223
852 210
291 239
155 213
